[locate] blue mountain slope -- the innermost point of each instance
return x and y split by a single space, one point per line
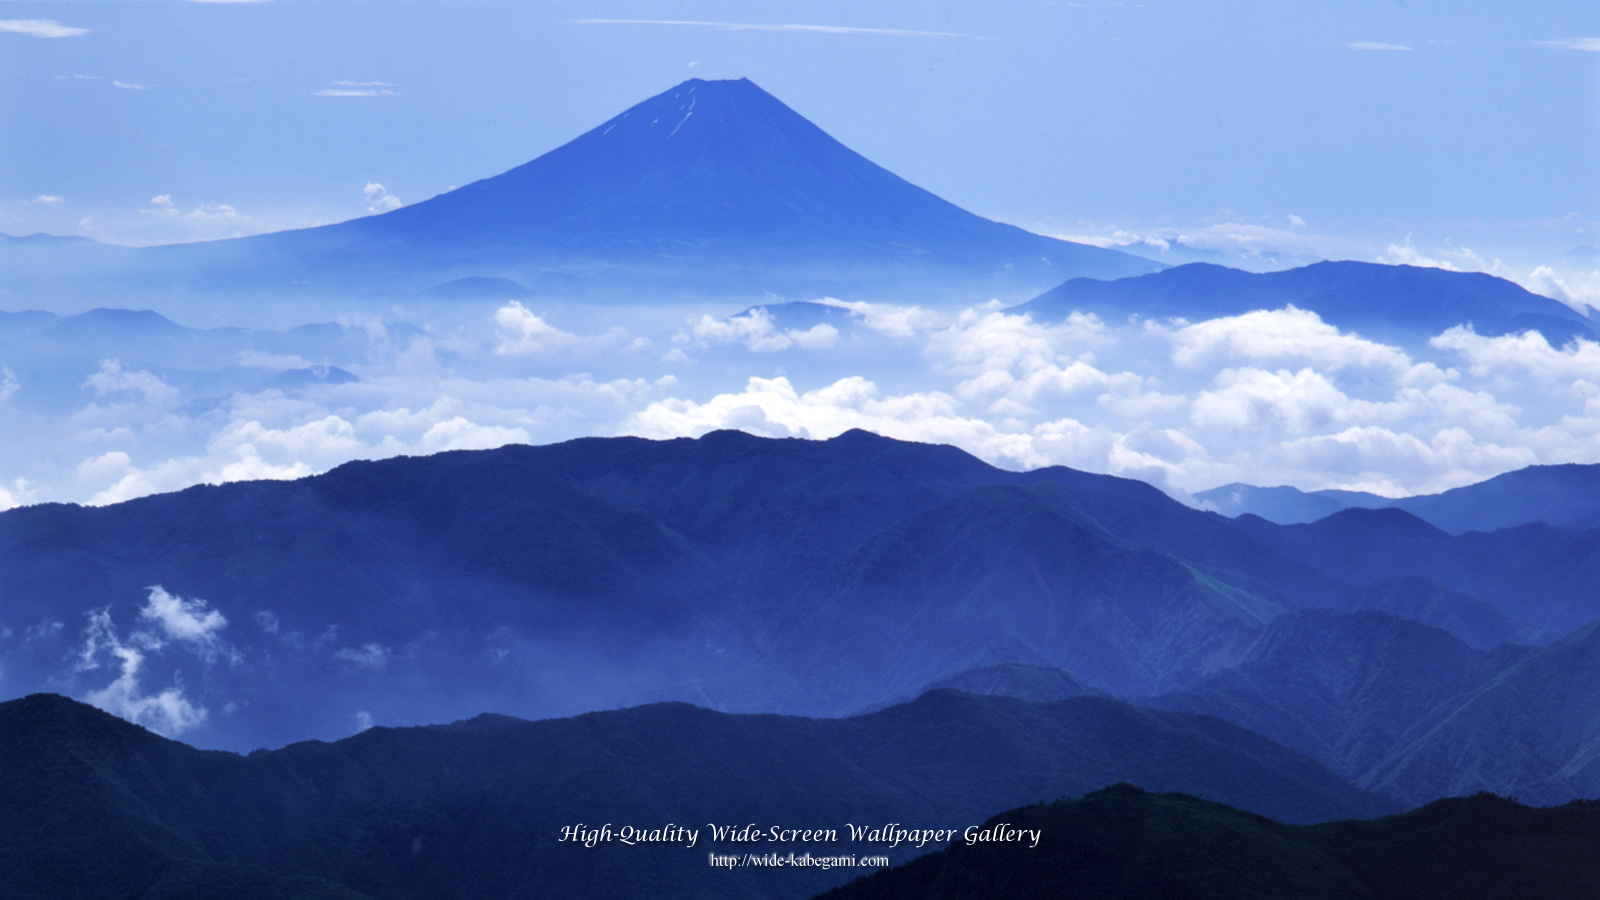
547 580
712 184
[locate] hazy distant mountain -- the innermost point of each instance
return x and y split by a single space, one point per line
1564 495
712 186
1282 504
44 240
1124 843
1536 573
1380 302
52 355
1555 494
477 287
93 806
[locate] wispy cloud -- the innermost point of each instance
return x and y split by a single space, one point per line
47 200
40 28
79 78
130 86
1587 45
1373 45
358 89
749 26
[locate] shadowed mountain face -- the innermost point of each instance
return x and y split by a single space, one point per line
781 576
1123 843
1532 732
93 806
1348 689
745 574
710 186
1386 303
1534 573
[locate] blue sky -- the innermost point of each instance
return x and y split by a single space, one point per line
1337 130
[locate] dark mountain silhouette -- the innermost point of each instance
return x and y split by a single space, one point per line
1390 303
92 806
1124 842
710 186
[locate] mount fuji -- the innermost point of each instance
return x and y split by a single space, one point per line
712 186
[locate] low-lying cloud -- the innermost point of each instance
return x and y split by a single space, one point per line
1274 396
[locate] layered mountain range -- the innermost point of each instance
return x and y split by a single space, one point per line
736 629
801 577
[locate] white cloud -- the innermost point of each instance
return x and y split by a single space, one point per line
1527 352
772 407
215 211
459 433
1243 399
894 321
48 200
1587 45
379 199
524 334
40 28
1454 259
368 656
744 26
358 89
113 379
757 332
256 359
168 712
1373 45
129 86
363 720
820 336
1282 335
180 619
1576 289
